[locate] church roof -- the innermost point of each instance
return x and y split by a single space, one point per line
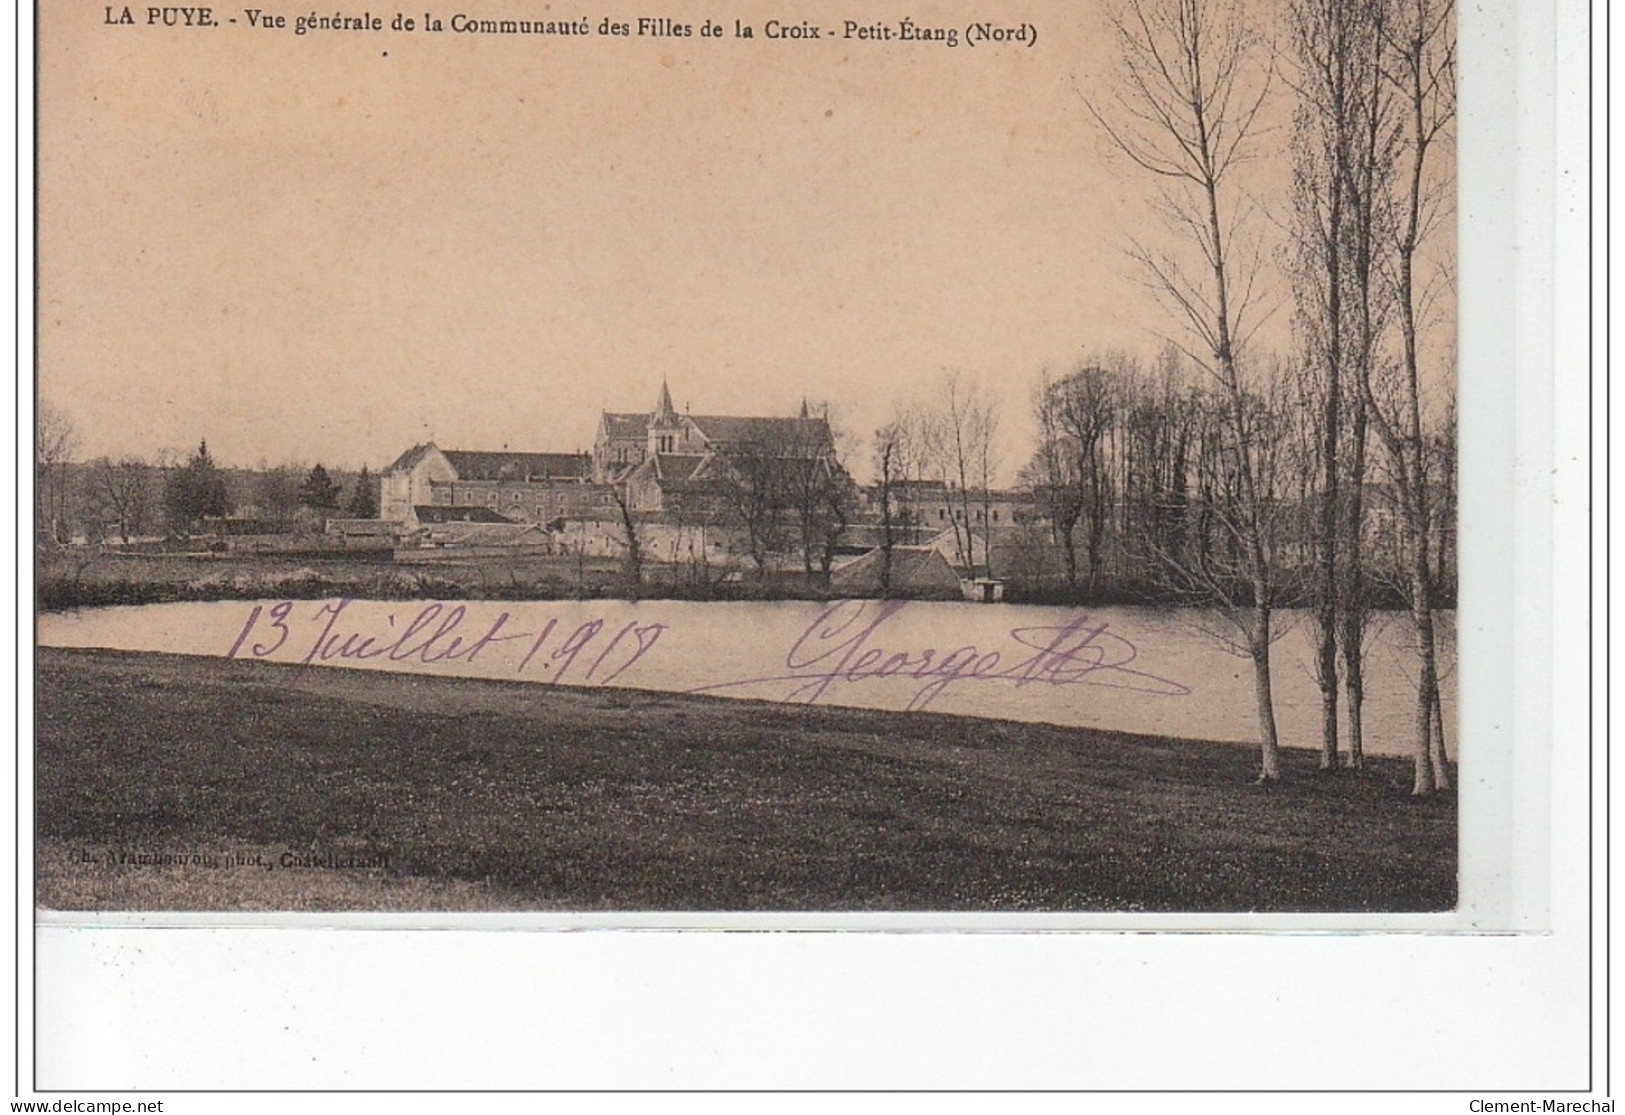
792 436
680 468
625 425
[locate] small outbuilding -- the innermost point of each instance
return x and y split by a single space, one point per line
918 571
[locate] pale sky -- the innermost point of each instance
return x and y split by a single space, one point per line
303 249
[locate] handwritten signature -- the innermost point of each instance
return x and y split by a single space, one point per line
839 648
437 634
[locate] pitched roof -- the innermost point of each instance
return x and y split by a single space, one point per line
951 536
474 465
917 569
490 534
793 436
409 460
679 468
363 527
625 425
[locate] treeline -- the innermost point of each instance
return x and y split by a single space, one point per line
1136 494
1369 86
131 497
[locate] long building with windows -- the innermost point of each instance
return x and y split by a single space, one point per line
673 470
520 487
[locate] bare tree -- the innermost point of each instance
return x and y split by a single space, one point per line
276 492
632 558
124 492
1339 154
1370 170
1087 404
1443 465
55 442
755 494
983 428
888 459
928 429
1190 89
695 518
1419 65
1161 418
1216 566
1055 479
958 429
817 489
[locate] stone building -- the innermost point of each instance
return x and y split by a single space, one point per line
664 456
697 488
520 487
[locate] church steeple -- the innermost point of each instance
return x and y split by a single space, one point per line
804 414
664 424
665 414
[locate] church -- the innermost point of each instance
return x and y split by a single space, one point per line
673 470
663 442
663 457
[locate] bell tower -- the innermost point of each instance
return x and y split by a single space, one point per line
665 427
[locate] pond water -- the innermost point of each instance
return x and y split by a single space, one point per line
1153 670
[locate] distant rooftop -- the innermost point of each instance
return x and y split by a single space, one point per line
791 435
479 465
472 464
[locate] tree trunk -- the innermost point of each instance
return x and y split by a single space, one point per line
1351 592
1440 766
1069 551
1326 676
1269 742
1431 773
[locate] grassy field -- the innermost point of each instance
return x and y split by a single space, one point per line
88 578
282 788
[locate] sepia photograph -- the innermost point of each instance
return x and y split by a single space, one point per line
753 460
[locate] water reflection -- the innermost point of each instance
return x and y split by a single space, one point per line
1152 670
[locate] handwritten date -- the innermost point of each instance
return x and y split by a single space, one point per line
440 634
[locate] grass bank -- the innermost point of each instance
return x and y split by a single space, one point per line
335 789
92 579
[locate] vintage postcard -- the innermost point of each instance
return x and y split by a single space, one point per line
922 459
